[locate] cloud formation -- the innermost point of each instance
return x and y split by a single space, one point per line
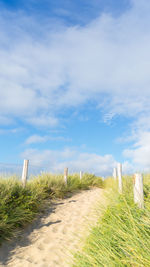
34 139
46 69
140 153
107 60
55 161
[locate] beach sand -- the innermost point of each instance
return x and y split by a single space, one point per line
54 235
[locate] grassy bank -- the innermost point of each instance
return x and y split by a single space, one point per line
122 235
19 206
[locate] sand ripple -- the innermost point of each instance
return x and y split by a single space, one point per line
50 240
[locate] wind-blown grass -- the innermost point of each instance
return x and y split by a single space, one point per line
122 235
19 206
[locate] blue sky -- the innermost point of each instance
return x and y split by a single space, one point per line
75 84
72 12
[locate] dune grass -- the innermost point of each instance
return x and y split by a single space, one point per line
122 235
19 206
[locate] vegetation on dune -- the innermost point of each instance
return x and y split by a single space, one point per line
19 206
122 235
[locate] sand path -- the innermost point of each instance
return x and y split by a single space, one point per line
50 240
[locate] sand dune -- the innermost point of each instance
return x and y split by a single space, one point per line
50 240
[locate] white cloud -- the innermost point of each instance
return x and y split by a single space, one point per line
55 161
36 139
44 69
46 121
128 168
4 120
140 152
11 131
41 139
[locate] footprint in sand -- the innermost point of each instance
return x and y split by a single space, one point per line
46 241
51 244
41 246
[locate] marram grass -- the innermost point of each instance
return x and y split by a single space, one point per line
122 235
19 206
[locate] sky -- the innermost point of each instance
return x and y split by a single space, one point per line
75 84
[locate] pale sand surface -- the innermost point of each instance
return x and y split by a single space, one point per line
50 240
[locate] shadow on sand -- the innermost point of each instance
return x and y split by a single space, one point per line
22 237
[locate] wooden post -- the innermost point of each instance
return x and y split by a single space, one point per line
65 175
138 190
119 171
80 175
25 172
115 173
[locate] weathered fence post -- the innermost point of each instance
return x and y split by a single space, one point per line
65 175
25 172
80 175
115 173
138 190
119 171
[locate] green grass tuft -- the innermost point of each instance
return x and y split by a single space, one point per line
19 206
122 235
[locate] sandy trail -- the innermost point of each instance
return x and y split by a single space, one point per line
50 240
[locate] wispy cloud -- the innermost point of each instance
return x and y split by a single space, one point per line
139 153
36 139
45 69
10 130
107 59
41 139
55 161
